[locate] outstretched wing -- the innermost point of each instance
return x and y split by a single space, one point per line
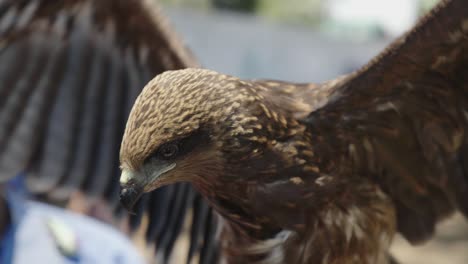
70 71
403 121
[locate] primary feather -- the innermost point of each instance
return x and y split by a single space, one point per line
70 71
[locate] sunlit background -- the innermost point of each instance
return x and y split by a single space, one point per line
308 41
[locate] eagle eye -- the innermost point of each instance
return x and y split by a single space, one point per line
168 151
180 147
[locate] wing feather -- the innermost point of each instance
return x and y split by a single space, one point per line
405 115
177 218
28 120
70 72
157 215
209 250
101 72
13 110
200 215
105 156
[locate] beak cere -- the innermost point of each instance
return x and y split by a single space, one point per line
131 189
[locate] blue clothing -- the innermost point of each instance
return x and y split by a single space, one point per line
6 246
96 242
41 233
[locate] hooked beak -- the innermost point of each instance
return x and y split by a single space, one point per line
134 184
131 189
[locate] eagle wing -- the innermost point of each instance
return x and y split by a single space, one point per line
69 74
402 121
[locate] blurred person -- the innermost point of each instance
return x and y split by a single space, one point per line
32 231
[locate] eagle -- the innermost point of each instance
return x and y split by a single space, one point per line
70 71
316 173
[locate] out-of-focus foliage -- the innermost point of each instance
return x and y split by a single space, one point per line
296 11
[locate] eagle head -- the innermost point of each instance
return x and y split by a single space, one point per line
192 125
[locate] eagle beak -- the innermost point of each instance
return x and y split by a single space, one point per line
134 184
132 188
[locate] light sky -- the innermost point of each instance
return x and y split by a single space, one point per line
395 16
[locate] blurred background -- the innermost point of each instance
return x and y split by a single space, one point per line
295 40
308 41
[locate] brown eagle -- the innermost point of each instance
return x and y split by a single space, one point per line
70 71
326 173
